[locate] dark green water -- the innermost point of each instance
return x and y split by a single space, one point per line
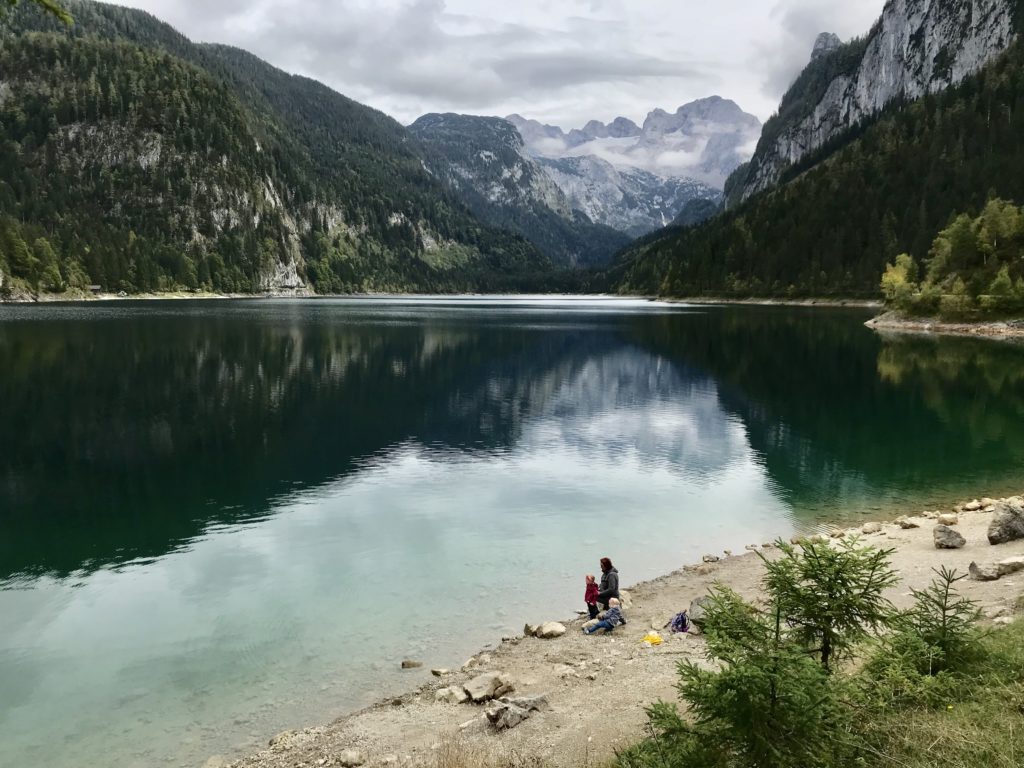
218 520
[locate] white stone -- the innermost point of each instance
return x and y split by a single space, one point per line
350 758
550 630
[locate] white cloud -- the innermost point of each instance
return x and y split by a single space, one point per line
560 63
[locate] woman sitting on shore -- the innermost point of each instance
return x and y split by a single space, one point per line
609 583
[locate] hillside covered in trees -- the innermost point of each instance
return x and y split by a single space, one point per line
883 188
133 159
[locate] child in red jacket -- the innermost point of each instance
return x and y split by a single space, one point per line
590 596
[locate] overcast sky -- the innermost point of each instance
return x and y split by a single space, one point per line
560 61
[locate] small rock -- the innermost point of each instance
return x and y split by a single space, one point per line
987 502
550 630
451 695
768 545
797 538
906 523
625 598
871 528
711 558
751 547
592 676
1010 565
350 758
929 515
946 538
948 519
1007 522
488 686
440 672
983 572
1004 620
973 506
389 760
837 533
281 738
411 664
529 630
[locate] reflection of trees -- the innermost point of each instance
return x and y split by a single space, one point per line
127 439
836 413
131 443
976 386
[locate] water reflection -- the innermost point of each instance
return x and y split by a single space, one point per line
219 521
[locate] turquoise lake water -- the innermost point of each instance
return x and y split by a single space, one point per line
219 520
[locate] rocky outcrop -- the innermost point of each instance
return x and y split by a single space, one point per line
505 713
916 47
825 43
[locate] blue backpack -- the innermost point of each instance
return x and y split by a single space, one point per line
679 623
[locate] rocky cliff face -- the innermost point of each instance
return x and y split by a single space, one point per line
916 47
629 199
485 160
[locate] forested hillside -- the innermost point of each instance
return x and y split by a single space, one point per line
839 216
133 159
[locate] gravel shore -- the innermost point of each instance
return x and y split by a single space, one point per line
598 686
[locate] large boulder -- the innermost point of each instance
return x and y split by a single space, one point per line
1007 522
946 538
549 630
698 610
489 685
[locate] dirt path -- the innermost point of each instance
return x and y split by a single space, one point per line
597 685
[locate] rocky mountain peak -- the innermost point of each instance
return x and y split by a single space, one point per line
825 43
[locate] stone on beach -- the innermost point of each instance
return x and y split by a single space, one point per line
871 528
1007 523
973 506
711 558
549 630
698 613
1010 565
948 519
505 713
906 523
983 572
411 664
487 686
440 672
946 538
451 695
351 758
530 629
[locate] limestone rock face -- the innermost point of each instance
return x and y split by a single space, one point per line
1007 522
825 43
917 47
947 538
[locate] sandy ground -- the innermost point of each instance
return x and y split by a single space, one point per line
599 685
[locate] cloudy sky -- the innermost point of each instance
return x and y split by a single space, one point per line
563 62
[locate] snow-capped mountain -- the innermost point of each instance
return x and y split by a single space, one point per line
704 140
637 179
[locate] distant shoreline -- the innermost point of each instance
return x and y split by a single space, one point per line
990 329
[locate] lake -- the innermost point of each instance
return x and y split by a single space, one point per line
221 519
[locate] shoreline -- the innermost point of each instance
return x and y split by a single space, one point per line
598 686
991 329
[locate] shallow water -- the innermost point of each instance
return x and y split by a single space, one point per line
222 519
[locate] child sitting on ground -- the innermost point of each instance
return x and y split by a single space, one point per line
612 618
590 596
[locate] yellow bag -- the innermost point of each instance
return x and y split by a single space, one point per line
653 638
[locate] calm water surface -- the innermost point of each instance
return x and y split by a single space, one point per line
220 520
